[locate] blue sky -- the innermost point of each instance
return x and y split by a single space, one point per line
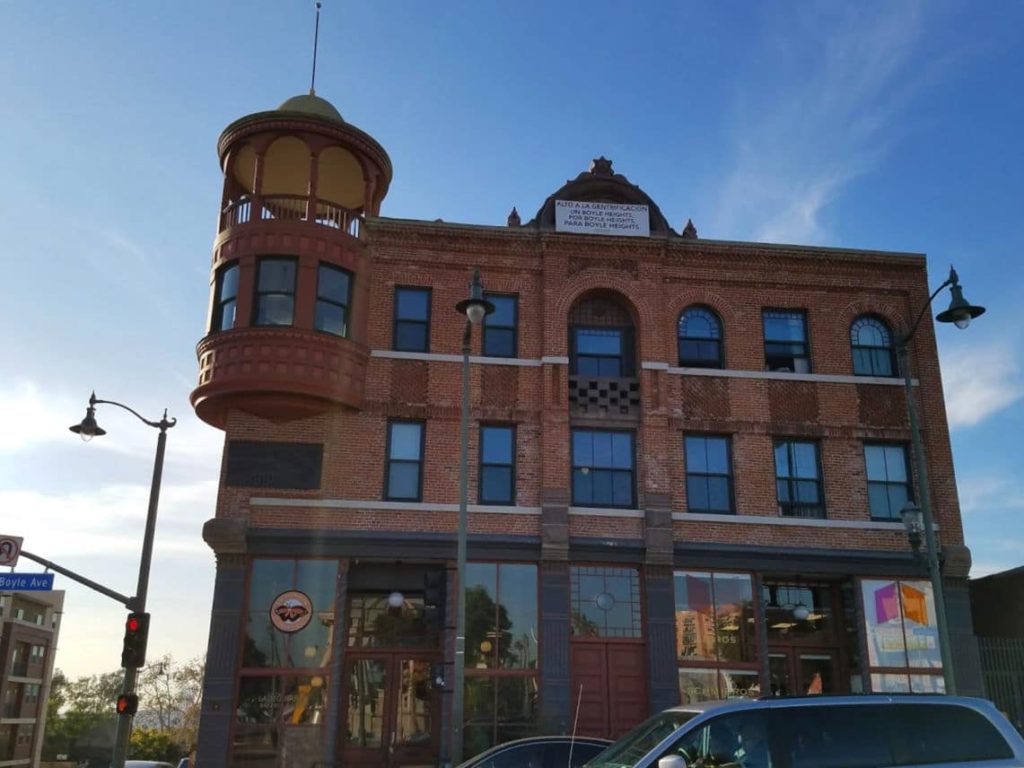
883 125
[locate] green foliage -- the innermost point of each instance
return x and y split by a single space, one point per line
154 744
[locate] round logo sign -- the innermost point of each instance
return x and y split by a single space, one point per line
291 611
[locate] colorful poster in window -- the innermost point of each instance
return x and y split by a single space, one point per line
900 624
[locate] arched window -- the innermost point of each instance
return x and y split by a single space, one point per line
700 338
871 342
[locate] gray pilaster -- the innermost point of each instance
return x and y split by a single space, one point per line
337 664
963 643
662 675
556 701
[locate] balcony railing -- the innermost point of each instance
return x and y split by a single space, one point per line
290 208
605 397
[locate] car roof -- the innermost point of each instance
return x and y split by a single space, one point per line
774 702
593 741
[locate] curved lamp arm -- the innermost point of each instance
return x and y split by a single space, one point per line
953 279
163 425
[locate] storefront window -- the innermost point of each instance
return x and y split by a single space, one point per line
374 623
501 654
715 635
290 619
267 709
799 613
902 636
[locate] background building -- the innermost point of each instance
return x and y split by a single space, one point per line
688 460
29 625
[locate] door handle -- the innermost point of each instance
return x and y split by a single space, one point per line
391 746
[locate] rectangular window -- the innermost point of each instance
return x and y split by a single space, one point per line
888 481
600 352
708 474
405 461
275 292
501 654
798 478
497 464
902 636
333 296
785 341
501 326
412 320
602 468
225 298
606 602
716 638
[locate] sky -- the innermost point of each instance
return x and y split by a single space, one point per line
880 125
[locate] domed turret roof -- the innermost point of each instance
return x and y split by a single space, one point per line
312 104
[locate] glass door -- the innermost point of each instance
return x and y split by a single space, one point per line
802 672
390 712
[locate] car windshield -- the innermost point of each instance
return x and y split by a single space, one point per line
625 752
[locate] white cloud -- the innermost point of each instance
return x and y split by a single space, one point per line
980 494
826 123
979 381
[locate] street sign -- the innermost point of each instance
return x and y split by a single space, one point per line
10 548
26 582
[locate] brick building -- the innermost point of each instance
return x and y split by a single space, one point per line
687 463
29 626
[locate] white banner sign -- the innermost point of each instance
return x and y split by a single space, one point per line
602 218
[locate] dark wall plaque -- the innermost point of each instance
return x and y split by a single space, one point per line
295 466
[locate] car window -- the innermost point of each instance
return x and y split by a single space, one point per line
944 733
734 740
557 754
520 756
642 739
851 736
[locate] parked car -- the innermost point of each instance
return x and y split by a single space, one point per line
540 752
146 764
869 731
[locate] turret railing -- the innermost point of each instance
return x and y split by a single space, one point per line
246 210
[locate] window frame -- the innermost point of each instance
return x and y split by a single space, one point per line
482 465
908 484
220 302
345 306
785 509
727 439
396 321
590 469
488 324
627 367
388 460
258 294
806 343
717 340
889 349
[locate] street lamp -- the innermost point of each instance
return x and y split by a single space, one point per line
89 429
960 313
475 308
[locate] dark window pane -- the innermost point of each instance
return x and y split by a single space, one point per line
274 309
587 366
807 491
622 450
411 337
602 485
806 459
582 448
403 480
332 284
717 455
697 493
895 463
718 494
412 304
496 485
517 616
784 326
582 488
836 737
878 500
499 342
609 367
936 733
622 489
897 500
277 276
598 342
602 449
874 459
504 313
227 316
330 318
497 445
229 283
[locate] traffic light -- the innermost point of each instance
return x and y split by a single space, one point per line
136 630
127 704
434 597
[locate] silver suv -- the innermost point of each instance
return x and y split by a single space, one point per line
870 731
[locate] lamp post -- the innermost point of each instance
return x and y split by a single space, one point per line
89 429
960 313
475 309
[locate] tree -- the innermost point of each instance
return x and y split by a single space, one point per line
154 744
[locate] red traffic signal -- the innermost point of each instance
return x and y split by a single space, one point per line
127 704
136 632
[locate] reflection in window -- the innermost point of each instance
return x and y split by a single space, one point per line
267 706
497 464
600 352
700 338
275 292
871 344
606 602
374 623
412 320
602 468
270 648
888 482
708 474
798 478
785 341
333 295
902 635
499 333
800 611
501 654
405 460
225 298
